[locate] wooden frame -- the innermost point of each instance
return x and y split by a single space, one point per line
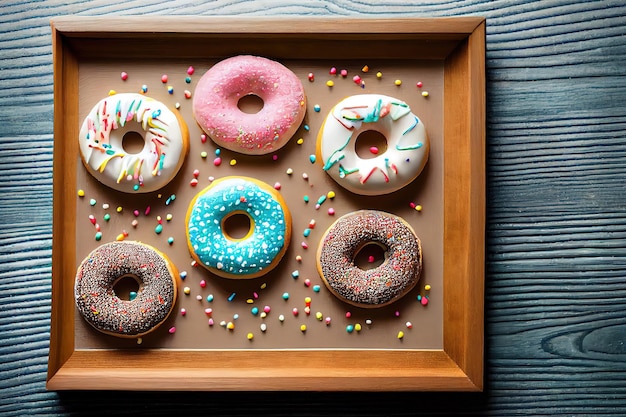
459 42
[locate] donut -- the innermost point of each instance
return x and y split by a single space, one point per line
379 286
251 256
384 172
219 90
122 119
100 271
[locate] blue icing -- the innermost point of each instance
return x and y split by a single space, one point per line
244 256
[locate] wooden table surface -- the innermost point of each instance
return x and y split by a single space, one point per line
555 301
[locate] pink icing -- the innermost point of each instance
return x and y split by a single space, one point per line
220 89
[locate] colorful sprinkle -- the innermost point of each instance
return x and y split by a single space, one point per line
357 79
92 202
427 287
333 71
81 193
164 78
317 108
316 288
250 336
424 301
233 162
398 82
349 328
170 240
379 75
419 84
172 330
303 328
424 93
365 68
232 297
285 296
300 141
400 334
311 77
312 158
187 290
98 236
263 327
158 229
344 73
330 83
124 76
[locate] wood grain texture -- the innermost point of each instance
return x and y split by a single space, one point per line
556 258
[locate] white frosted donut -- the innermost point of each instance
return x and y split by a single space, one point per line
217 95
386 172
165 135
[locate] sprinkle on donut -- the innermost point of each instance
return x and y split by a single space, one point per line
379 286
97 275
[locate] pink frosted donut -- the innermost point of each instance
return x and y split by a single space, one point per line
217 95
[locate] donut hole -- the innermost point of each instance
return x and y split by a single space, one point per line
237 226
250 104
125 285
133 142
369 256
369 144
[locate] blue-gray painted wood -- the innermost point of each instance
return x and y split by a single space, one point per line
556 250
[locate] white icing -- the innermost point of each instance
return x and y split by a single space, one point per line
386 172
101 137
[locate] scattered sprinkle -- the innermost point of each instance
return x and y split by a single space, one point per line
357 79
98 236
398 82
190 70
285 296
312 158
419 84
81 193
330 83
158 229
317 288
317 108
303 328
300 141
349 328
424 93
400 334
427 287
164 78
263 327
187 290
250 336
379 75
172 330
124 76
183 275
232 296
233 162
311 77
92 202
333 71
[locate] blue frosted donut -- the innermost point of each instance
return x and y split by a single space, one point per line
266 241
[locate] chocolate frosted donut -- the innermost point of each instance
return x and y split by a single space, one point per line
104 267
376 287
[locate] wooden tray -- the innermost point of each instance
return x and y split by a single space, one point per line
458 43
